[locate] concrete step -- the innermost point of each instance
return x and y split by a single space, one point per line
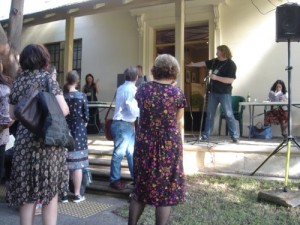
104 172
222 156
100 186
105 161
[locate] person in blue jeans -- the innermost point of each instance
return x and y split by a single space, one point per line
222 75
122 127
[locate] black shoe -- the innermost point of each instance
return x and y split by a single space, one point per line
64 199
235 140
78 198
204 138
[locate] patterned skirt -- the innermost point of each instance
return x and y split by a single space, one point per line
276 116
77 159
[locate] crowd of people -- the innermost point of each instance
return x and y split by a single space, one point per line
145 129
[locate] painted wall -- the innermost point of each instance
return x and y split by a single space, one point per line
260 60
109 45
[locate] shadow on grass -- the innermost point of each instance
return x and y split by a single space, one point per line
225 200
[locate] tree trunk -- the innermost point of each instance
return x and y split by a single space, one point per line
15 25
11 47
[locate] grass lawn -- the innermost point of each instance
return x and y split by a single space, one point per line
225 200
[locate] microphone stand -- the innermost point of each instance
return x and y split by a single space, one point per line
205 99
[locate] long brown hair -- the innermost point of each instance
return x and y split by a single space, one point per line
225 50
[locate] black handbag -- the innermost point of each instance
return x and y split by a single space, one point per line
108 122
28 112
55 128
41 114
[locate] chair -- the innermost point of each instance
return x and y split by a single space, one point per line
237 112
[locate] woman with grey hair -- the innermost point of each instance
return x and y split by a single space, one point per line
122 127
158 164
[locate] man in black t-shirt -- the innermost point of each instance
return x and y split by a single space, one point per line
222 75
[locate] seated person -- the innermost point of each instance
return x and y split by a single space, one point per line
278 115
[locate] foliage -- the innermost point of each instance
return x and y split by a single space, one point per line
225 200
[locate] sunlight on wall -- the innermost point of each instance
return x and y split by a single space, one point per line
256 45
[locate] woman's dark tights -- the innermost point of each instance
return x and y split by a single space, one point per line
136 209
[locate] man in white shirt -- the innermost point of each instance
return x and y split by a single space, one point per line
122 128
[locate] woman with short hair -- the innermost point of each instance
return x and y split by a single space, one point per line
39 172
158 153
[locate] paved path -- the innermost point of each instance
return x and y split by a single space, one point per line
96 210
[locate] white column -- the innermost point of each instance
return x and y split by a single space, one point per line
179 47
141 23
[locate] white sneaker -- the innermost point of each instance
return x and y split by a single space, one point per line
78 198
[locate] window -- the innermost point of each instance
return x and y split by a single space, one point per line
56 51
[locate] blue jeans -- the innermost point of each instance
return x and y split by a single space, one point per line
213 101
123 135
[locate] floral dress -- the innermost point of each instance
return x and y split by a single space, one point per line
79 115
39 172
158 154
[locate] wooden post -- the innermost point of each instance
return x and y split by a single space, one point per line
69 42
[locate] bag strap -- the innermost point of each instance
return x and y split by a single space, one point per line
48 85
110 106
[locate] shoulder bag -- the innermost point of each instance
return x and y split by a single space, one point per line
55 128
107 125
28 112
41 114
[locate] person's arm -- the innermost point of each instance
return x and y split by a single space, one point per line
283 98
197 64
132 105
179 114
63 105
85 109
97 86
225 80
11 112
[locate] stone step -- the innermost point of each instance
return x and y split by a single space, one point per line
104 172
105 161
101 186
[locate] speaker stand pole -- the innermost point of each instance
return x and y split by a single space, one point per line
287 141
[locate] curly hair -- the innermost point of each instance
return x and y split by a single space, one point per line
273 88
165 67
225 50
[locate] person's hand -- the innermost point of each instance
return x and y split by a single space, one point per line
97 81
213 76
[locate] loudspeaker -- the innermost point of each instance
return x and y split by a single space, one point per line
121 79
288 22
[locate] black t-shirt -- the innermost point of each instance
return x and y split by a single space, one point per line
226 68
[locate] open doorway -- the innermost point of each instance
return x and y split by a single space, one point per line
195 49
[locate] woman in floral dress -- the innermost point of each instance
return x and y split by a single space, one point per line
39 172
158 162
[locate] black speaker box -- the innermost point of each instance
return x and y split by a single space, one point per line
120 79
288 22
